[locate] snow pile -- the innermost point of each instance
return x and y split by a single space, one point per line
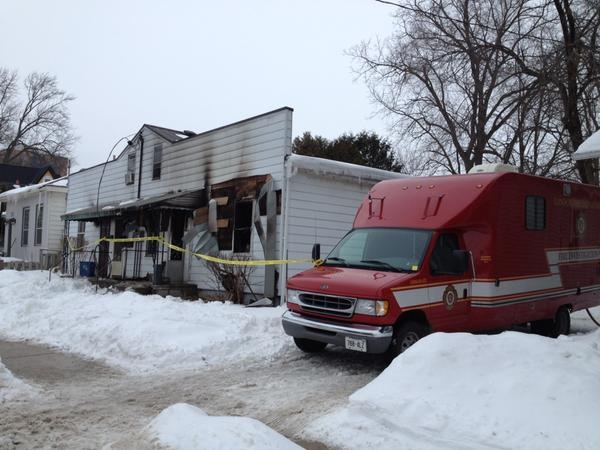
186 427
11 388
462 391
134 332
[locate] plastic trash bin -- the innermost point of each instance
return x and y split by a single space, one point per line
87 268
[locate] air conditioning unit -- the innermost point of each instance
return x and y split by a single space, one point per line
129 178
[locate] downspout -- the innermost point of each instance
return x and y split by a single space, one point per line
141 161
283 270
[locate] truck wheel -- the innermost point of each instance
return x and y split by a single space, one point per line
309 346
561 324
407 334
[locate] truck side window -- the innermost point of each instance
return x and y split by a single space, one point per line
443 260
535 212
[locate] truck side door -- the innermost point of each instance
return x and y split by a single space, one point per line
450 288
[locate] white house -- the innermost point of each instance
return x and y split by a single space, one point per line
32 220
236 190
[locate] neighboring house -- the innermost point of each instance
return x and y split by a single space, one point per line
12 176
236 190
32 224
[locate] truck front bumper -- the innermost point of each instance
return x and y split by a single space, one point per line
377 338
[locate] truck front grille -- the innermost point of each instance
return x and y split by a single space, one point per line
327 304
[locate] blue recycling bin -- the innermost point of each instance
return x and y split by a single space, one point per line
87 268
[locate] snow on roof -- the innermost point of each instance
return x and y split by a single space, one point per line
58 182
321 166
589 149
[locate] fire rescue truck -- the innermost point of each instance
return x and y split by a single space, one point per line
475 252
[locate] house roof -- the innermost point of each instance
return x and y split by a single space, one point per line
24 175
169 134
324 167
58 185
172 200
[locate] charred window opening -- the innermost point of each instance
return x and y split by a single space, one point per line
235 206
263 203
535 213
25 227
177 227
242 232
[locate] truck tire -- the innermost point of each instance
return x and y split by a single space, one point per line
561 324
309 346
405 335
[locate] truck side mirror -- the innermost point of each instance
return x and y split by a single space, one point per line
316 252
461 260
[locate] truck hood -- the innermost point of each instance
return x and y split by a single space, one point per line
345 281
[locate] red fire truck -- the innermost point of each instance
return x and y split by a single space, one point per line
474 252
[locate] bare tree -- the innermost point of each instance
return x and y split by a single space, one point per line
38 122
473 81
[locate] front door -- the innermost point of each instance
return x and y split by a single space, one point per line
450 286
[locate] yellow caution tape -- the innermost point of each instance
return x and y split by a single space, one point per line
214 259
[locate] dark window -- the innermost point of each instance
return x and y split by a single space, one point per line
443 261
242 227
25 227
535 212
39 221
157 162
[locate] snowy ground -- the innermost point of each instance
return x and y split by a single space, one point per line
175 373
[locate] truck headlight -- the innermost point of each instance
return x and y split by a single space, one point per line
292 297
372 307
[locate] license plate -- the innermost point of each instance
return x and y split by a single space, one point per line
359 345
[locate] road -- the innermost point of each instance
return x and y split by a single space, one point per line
87 405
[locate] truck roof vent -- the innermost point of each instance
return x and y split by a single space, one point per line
493 168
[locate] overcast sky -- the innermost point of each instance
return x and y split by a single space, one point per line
196 65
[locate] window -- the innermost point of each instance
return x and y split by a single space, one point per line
25 227
242 226
80 235
130 175
443 261
39 221
395 249
535 212
157 162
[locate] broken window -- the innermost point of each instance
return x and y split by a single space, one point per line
242 231
156 165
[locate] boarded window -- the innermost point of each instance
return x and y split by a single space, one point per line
25 227
39 222
242 231
535 212
156 165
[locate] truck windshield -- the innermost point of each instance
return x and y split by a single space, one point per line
387 249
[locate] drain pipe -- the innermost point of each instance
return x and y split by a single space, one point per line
140 172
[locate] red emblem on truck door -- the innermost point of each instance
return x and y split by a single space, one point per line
450 297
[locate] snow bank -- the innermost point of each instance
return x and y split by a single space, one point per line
134 332
11 388
461 391
186 427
